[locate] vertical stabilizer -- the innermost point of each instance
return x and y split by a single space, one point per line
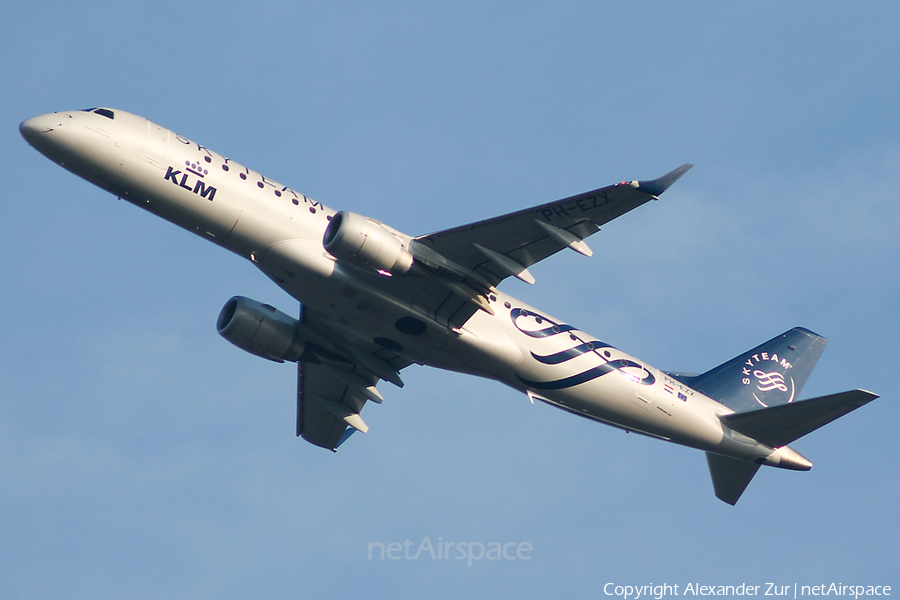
771 374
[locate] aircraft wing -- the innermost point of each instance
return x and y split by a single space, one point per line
334 381
325 406
488 252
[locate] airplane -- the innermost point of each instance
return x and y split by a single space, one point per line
374 300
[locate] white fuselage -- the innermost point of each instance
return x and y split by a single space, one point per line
281 231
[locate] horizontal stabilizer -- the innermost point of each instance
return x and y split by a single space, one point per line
730 476
780 425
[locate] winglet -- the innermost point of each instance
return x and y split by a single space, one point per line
657 186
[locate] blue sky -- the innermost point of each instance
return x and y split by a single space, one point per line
142 456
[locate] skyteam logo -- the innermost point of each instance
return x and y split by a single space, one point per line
768 373
538 326
766 382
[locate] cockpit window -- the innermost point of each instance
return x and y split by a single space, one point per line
105 112
88 109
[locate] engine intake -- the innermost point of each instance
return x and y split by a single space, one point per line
260 329
358 240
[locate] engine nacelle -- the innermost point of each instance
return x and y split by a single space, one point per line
355 239
260 329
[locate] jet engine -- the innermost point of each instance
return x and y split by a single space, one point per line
260 329
358 240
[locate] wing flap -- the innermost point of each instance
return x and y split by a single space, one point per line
341 411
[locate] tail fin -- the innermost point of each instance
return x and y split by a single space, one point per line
771 374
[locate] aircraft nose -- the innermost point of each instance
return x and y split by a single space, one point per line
43 133
32 129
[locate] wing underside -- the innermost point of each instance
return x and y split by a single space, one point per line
325 406
335 379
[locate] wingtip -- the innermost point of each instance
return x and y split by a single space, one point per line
659 185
